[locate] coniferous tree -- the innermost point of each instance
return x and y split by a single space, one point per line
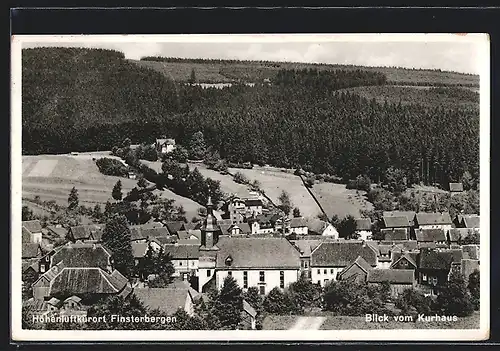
73 199
229 304
116 237
117 191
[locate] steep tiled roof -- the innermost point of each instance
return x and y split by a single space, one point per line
189 242
77 281
457 234
441 260
408 214
26 235
396 222
316 225
305 247
456 187
409 256
393 276
257 253
434 234
423 218
86 231
470 252
162 240
82 255
471 221
178 251
427 244
174 227
298 222
167 300
391 234
342 253
30 250
360 262
139 249
33 226
363 224
59 231
141 232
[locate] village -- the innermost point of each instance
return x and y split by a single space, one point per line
261 248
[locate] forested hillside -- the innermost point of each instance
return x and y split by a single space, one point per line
84 99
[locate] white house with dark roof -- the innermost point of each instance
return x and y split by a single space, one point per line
331 257
364 228
185 259
164 145
298 225
33 229
262 262
425 220
318 227
434 235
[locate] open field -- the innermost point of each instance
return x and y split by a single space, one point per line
330 322
55 175
336 199
227 184
273 181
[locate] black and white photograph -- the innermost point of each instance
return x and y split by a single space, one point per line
250 187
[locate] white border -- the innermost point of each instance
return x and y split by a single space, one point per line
18 334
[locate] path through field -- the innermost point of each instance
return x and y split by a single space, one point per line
308 323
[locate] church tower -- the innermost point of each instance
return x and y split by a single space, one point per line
209 230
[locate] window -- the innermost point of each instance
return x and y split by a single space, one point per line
302 264
42 268
305 264
319 282
229 273
245 280
424 277
324 271
262 277
282 279
319 271
180 263
262 289
331 271
325 281
208 272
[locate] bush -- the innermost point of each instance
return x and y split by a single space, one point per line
454 298
277 302
414 300
240 178
112 167
362 182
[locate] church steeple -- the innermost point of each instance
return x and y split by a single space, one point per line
209 229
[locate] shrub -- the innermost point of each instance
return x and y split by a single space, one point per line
240 178
111 166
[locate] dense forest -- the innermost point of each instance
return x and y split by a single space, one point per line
87 99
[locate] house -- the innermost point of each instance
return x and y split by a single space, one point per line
236 209
32 230
72 303
395 234
398 279
139 251
331 257
434 267
456 235
305 248
248 316
425 220
263 223
174 226
164 146
470 252
396 222
169 299
237 229
253 206
356 271
384 255
364 228
410 215
436 236
57 231
469 221
84 233
318 227
79 255
456 188
298 226
30 251
185 259
405 260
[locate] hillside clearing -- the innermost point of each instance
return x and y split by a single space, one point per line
57 174
337 199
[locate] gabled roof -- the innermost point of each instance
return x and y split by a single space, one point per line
174 226
191 226
30 250
456 187
270 253
33 226
391 234
393 276
457 234
423 218
167 300
178 251
439 260
470 252
410 257
189 242
434 235
471 221
244 228
139 249
77 281
363 224
253 202
54 301
86 232
26 235
73 298
305 247
59 231
52 272
408 214
396 222
360 262
342 253
298 222
82 255
140 232
316 225
162 240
